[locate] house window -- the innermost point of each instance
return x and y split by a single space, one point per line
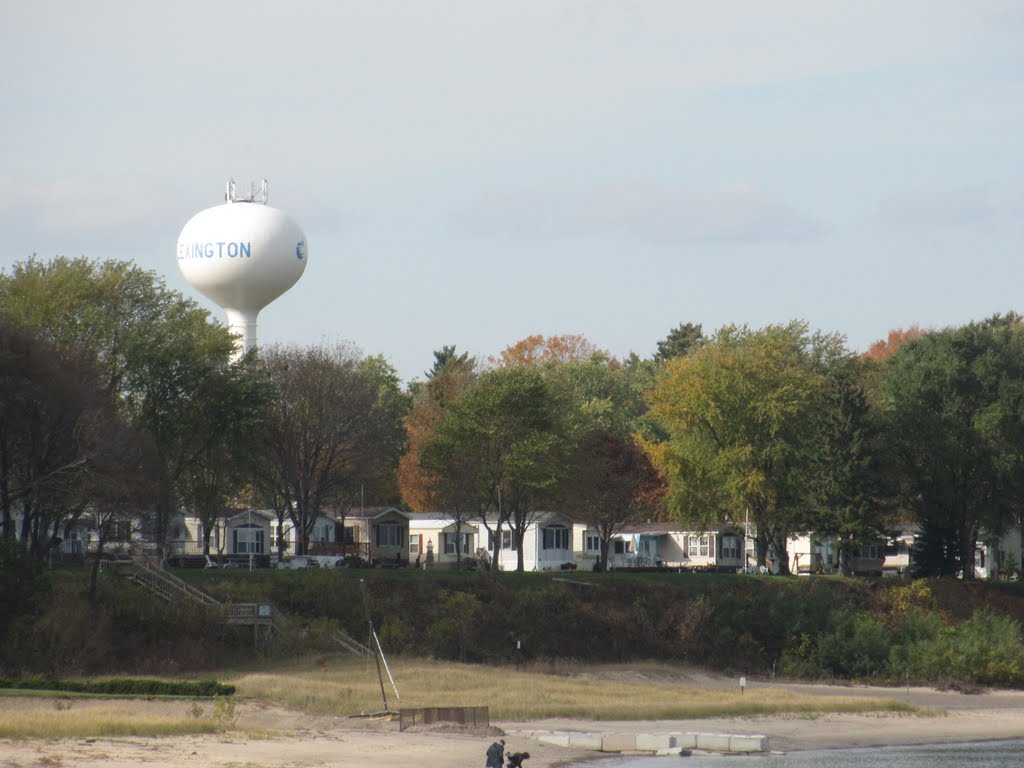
249 540
414 546
730 547
323 532
71 543
622 546
700 546
349 534
507 539
451 538
593 542
555 537
389 535
119 530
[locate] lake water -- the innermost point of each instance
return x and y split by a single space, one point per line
995 754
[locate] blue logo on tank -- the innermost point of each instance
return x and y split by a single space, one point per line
300 249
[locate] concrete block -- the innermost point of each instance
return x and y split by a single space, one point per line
687 740
654 742
748 743
585 740
556 738
618 742
713 742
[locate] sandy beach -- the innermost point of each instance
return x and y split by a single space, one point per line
271 737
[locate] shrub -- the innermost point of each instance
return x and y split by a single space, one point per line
989 650
454 634
857 646
124 686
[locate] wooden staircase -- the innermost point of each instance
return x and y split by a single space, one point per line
164 584
260 616
350 644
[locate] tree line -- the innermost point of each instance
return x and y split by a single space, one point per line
120 406
119 396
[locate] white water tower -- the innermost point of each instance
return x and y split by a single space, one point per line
242 255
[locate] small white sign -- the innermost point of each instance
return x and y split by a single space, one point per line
743 682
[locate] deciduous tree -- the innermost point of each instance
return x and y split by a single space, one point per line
612 483
234 406
153 349
335 427
499 443
885 348
538 349
956 400
45 404
738 412
429 402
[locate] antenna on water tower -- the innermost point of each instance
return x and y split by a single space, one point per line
242 255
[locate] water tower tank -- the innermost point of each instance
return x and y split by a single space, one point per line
242 255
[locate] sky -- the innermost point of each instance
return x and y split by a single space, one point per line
470 173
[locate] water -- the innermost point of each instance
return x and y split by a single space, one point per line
995 754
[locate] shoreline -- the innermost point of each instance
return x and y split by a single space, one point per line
269 736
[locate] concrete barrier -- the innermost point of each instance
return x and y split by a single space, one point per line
557 738
618 742
585 740
687 740
653 743
748 743
713 742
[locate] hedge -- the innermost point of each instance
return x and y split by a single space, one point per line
123 686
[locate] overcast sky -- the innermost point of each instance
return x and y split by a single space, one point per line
472 172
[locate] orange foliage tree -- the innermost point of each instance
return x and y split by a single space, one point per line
430 401
537 350
885 348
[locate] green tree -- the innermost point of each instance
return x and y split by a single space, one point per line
235 405
856 488
956 401
154 350
609 480
679 341
500 448
446 357
739 412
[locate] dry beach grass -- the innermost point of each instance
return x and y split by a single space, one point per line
297 713
344 685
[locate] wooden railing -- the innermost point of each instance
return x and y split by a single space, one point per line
351 645
171 588
165 584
